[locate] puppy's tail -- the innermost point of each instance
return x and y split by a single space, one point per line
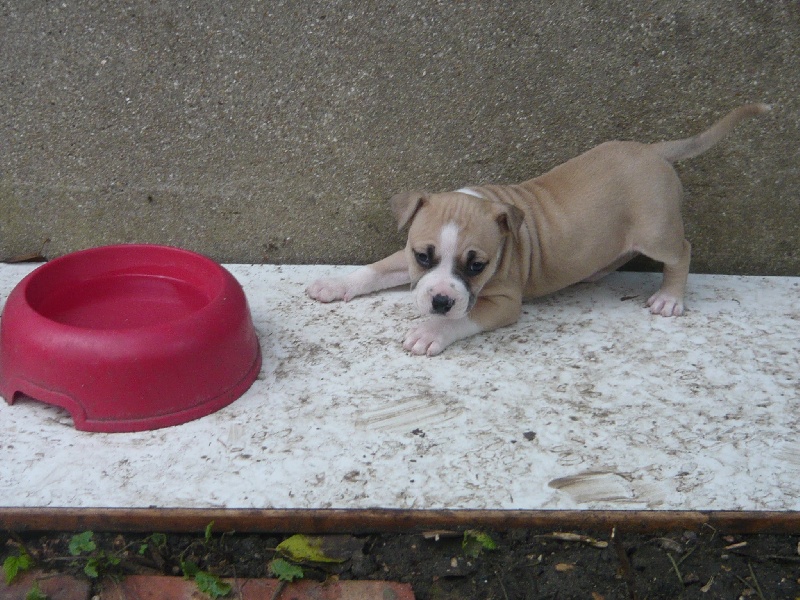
694 146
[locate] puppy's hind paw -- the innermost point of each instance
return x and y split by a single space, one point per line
665 304
328 289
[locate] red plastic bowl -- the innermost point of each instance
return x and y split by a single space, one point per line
129 337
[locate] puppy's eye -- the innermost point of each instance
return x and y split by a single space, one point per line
425 259
475 268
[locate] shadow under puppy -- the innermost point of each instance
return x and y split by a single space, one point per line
473 255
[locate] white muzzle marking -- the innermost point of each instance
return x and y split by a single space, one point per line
440 291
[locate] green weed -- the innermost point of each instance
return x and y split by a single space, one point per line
475 542
285 571
206 582
15 564
35 593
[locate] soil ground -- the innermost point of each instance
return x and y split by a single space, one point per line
526 564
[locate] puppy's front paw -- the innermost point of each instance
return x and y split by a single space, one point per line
425 340
665 304
432 336
328 289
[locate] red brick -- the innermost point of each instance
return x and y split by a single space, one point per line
56 587
145 587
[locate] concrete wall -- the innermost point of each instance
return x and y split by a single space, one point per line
275 131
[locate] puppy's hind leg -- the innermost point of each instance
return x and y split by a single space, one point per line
668 301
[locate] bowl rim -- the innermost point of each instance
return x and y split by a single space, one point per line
222 280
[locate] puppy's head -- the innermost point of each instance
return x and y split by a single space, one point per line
455 246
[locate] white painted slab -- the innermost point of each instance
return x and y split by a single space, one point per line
588 402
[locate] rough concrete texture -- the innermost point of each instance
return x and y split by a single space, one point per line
275 131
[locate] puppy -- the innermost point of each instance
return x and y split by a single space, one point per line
473 255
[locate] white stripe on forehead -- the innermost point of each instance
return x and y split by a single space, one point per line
448 245
440 278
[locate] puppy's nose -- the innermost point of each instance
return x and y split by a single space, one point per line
441 304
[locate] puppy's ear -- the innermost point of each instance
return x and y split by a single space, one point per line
405 205
508 217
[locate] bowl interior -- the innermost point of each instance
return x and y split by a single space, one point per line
122 302
123 288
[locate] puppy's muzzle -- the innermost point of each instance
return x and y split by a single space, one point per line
441 304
